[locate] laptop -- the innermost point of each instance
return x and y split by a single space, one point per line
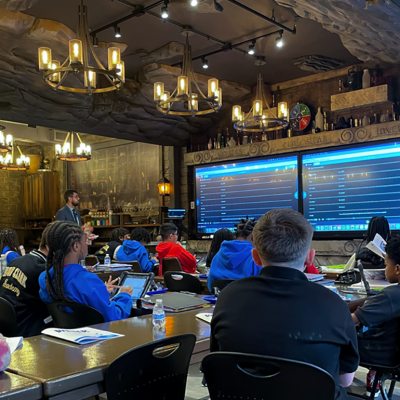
139 282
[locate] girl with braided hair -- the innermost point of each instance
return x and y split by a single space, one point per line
66 280
9 244
234 259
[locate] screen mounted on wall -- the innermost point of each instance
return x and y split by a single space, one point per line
344 189
226 193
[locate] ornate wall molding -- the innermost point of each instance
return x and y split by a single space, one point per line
315 141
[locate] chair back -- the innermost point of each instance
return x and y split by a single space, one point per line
170 264
156 371
135 266
220 284
68 315
8 319
243 376
181 281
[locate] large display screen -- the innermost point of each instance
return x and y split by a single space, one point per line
226 193
343 189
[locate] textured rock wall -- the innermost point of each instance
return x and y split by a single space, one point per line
11 199
369 30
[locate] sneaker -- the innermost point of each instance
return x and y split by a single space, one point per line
370 381
368 393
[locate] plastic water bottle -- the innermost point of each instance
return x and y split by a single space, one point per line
107 261
3 264
159 315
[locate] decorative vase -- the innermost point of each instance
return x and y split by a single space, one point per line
366 121
366 79
232 142
319 121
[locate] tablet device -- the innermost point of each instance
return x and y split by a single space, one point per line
140 283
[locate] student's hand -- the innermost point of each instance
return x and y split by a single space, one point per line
155 259
110 284
127 289
91 269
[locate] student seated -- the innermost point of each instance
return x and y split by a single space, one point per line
280 313
170 247
234 260
379 318
219 237
19 285
376 225
66 280
9 244
118 235
134 250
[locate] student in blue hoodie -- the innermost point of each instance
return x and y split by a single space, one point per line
65 280
134 250
234 259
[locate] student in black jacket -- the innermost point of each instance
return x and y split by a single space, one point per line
118 235
19 285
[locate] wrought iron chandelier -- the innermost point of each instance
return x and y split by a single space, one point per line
11 162
6 141
81 53
183 92
260 118
68 153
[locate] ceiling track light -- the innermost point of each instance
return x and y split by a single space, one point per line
164 10
205 63
95 41
194 3
279 40
252 48
117 31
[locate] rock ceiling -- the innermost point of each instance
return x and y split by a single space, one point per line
128 114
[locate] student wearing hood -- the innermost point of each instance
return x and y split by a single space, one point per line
134 250
234 259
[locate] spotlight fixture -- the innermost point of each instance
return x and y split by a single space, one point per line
252 48
95 42
194 3
205 63
117 31
279 40
218 6
164 10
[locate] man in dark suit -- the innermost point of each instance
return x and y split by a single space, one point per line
69 211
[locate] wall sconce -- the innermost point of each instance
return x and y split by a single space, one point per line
164 187
283 110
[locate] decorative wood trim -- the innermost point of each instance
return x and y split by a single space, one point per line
315 141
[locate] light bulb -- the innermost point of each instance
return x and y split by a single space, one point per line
58 149
164 12
76 49
1 138
88 149
9 139
194 3
251 49
279 41
27 161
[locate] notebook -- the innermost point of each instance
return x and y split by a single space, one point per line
81 335
206 317
175 302
314 277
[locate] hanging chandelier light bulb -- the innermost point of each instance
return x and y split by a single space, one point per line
190 102
81 54
67 152
260 118
6 141
14 162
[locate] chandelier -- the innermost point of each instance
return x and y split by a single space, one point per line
183 92
81 53
260 118
6 142
67 151
10 162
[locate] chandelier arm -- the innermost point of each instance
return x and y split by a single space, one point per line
66 139
72 142
90 44
65 61
65 74
78 136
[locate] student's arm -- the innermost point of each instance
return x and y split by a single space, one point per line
188 262
346 379
146 264
375 311
11 255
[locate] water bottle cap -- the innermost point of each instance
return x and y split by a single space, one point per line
158 301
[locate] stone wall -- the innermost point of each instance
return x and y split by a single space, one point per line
11 199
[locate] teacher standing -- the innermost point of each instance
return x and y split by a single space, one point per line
69 211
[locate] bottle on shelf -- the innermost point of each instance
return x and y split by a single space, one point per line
366 120
319 121
340 86
215 143
159 316
326 128
223 144
366 79
209 144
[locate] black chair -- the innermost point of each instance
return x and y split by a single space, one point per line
181 281
68 315
147 372
220 284
8 319
171 264
248 376
135 266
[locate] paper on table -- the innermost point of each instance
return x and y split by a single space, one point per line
377 246
14 343
81 335
206 317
